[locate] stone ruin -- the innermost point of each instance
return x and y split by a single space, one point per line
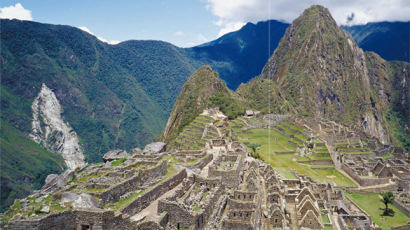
192 203
227 189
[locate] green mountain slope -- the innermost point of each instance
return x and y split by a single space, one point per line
24 164
318 70
113 96
115 89
199 87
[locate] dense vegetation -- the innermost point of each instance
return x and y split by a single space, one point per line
116 89
230 106
24 164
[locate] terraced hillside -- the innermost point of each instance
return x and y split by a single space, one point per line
289 147
196 134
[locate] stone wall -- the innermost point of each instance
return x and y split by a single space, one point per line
404 227
239 205
364 181
321 162
143 201
75 220
228 224
401 207
115 192
231 177
202 163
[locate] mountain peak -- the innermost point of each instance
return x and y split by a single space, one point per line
201 85
318 70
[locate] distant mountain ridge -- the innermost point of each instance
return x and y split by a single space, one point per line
390 40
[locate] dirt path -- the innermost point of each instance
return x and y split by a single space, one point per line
291 207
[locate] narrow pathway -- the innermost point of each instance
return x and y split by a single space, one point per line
150 212
291 207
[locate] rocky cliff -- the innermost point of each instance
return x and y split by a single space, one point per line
50 130
318 70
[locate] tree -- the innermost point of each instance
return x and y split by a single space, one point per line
254 147
387 198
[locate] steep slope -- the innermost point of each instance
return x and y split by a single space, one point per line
51 131
116 89
200 86
24 165
390 40
112 96
318 70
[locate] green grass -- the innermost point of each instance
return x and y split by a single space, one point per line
373 206
386 155
325 219
328 228
118 162
122 203
271 141
196 207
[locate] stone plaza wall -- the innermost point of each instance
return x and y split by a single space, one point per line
401 207
145 200
364 181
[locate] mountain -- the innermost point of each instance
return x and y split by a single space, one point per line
120 96
239 56
111 96
199 87
318 70
390 40
115 89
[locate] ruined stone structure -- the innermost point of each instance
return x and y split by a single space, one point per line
218 187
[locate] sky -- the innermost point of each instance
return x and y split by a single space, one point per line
187 23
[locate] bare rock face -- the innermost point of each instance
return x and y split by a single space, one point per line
85 200
54 182
50 130
155 147
82 200
50 178
115 154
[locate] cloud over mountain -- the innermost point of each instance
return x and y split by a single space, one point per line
348 12
16 12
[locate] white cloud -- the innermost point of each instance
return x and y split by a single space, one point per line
201 38
17 11
229 27
232 13
111 42
179 33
